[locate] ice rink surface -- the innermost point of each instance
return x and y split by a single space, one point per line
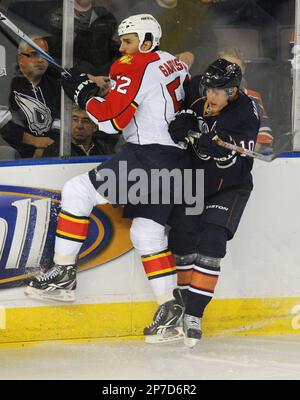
240 357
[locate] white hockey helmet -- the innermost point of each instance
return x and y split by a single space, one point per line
141 24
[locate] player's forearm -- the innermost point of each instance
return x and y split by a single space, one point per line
110 118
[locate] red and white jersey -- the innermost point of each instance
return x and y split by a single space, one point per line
148 91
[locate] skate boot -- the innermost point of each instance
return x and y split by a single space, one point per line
58 283
192 330
165 326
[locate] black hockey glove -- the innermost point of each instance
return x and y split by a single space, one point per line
78 87
223 157
185 122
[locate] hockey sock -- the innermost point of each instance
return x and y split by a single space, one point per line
184 276
71 232
160 269
201 290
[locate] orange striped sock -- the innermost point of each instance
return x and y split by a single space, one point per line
202 287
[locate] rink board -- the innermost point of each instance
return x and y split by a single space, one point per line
124 320
258 292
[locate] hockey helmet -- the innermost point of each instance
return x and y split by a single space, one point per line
141 24
222 74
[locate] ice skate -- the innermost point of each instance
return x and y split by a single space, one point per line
192 330
166 324
59 283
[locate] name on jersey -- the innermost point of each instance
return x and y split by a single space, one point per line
171 66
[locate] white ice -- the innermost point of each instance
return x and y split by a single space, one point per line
240 357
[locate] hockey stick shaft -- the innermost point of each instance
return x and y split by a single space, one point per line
245 152
29 41
241 150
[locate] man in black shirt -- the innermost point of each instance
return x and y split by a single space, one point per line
198 242
85 140
34 103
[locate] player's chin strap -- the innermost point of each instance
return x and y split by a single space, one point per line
249 153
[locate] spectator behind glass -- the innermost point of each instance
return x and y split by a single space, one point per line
246 13
95 47
6 152
118 8
187 28
264 138
34 103
85 140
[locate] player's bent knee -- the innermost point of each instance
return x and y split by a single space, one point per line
181 242
79 196
147 236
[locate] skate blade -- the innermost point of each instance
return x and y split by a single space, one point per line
57 295
170 336
190 342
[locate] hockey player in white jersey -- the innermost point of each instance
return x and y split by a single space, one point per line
148 88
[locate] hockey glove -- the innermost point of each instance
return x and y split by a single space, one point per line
223 157
79 88
185 122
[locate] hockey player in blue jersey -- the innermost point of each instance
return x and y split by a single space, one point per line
199 242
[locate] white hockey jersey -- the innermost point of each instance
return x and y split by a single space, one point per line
148 91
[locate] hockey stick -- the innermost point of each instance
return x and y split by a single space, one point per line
245 152
30 42
241 150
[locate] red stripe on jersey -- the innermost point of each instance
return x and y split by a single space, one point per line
123 120
118 105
